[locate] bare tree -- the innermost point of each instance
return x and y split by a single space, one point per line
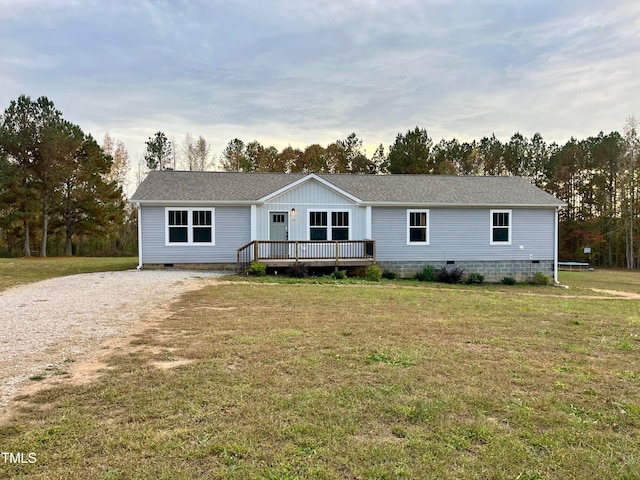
118 152
197 153
174 154
141 170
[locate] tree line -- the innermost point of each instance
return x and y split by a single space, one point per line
61 190
58 186
597 177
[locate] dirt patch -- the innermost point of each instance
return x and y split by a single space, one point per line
616 293
170 364
88 365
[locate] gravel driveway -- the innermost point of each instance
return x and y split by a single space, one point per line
44 323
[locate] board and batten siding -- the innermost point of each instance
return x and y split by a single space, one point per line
464 234
307 197
232 230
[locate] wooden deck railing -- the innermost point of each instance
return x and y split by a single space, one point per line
279 252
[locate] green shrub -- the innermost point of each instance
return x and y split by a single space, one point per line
475 278
340 274
540 279
258 269
508 281
449 276
428 274
389 275
373 273
299 270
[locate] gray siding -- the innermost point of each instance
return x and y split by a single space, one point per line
464 234
232 230
311 192
310 196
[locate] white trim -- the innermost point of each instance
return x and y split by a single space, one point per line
329 226
208 203
244 203
254 222
367 223
307 204
416 210
189 227
492 226
311 176
458 205
139 237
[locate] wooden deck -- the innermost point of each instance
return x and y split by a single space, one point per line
339 253
317 262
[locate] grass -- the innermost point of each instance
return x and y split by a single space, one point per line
279 381
592 283
620 280
18 271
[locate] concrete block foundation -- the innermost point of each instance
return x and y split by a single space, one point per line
493 270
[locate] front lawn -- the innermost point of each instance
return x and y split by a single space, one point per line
259 381
17 271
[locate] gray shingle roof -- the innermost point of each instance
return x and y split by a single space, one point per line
170 185
229 187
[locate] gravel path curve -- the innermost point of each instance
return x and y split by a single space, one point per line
42 324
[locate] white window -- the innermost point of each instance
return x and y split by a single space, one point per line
318 226
500 227
417 227
329 225
339 225
177 226
190 226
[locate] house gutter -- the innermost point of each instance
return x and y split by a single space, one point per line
139 267
458 205
555 247
213 203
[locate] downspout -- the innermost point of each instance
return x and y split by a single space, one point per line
555 248
139 267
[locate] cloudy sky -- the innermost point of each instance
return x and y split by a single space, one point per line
300 71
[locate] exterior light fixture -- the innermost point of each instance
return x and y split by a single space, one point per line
293 213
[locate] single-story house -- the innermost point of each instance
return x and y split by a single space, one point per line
497 226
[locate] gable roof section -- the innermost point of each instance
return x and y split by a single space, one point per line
426 190
305 179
